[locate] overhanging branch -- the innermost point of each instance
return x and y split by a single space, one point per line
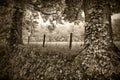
45 13
40 9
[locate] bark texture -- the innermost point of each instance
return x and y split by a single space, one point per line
16 27
99 56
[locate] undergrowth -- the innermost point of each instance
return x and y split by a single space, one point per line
32 62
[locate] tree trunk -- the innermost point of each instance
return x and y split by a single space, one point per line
16 27
98 56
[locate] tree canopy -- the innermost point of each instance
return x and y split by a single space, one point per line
69 9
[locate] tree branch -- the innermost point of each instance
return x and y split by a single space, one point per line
40 9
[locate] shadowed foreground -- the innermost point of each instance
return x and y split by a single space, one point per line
37 63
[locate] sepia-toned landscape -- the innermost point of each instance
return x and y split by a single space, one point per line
59 39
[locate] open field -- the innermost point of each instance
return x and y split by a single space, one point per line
57 47
64 44
56 43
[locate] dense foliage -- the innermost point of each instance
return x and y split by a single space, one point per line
53 62
34 64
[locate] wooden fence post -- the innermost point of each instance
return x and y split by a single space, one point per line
28 40
70 43
44 40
